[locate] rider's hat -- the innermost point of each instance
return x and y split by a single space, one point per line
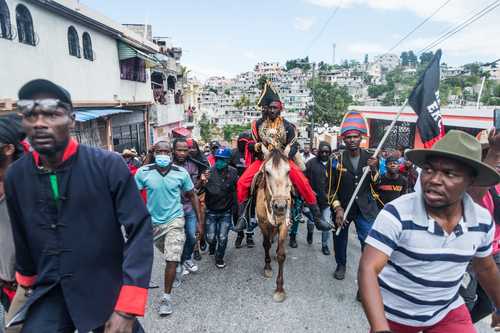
268 95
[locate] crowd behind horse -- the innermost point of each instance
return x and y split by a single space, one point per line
79 224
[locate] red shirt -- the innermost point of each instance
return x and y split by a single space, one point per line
487 203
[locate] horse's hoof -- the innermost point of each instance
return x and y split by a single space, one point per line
268 273
279 296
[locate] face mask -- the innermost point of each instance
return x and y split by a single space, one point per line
162 160
220 164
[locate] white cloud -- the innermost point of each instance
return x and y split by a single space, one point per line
302 23
453 12
477 40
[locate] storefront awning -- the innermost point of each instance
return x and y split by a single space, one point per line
181 131
127 52
86 115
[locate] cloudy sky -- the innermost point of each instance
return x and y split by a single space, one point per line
225 37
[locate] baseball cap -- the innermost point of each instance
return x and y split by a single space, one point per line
44 86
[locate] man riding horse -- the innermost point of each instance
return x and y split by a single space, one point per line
275 132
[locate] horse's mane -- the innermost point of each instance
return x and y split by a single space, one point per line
277 156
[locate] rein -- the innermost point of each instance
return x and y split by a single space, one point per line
270 198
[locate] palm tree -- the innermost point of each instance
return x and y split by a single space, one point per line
184 73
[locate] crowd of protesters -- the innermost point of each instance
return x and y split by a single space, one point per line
79 223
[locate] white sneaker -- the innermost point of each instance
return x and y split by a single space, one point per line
166 308
190 266
177 282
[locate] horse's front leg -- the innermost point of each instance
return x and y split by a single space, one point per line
266 236
279 294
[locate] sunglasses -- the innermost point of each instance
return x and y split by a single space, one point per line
26 106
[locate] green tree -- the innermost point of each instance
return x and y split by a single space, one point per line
205 128
231 131
302 63
377 90
496 90
473 68
388 98
227 92
324 67
412 59
426 57
404 59
242 102
331 102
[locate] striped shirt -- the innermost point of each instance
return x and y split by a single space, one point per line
420 282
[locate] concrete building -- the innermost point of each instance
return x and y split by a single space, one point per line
388 61
105 66
448 71
468 119
494 71
167 82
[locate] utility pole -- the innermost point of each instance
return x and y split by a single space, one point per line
313 86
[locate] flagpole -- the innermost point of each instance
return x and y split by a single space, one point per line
365 173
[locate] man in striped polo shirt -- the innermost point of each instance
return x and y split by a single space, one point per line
421 243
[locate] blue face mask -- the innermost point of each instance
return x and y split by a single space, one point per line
162 160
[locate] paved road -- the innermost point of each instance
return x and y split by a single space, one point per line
239 299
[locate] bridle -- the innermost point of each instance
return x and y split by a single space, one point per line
271 198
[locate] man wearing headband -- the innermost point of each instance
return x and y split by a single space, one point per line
69 204
275 132
351 163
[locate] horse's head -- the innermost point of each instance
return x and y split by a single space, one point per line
278 184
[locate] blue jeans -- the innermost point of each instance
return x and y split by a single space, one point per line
190 230
217 226
326 215
363 227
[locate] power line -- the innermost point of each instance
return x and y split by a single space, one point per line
461 26
419 26
315 39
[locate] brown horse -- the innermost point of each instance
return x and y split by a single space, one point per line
273 206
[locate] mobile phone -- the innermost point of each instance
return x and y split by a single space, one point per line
496 120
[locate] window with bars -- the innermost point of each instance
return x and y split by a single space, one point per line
5 27
88 53
129 136
25 31
73 42
403 133
133 69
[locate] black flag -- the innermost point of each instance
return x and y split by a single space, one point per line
424 100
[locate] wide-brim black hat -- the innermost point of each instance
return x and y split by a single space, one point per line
268 95
460 146
44 86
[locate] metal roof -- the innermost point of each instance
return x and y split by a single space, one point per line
86 115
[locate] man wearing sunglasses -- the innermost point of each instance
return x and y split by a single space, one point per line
69 204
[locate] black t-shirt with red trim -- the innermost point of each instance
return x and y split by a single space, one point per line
390 189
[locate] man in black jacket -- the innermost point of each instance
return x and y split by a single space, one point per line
220 199
317 170
69 204
242 156
344 181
